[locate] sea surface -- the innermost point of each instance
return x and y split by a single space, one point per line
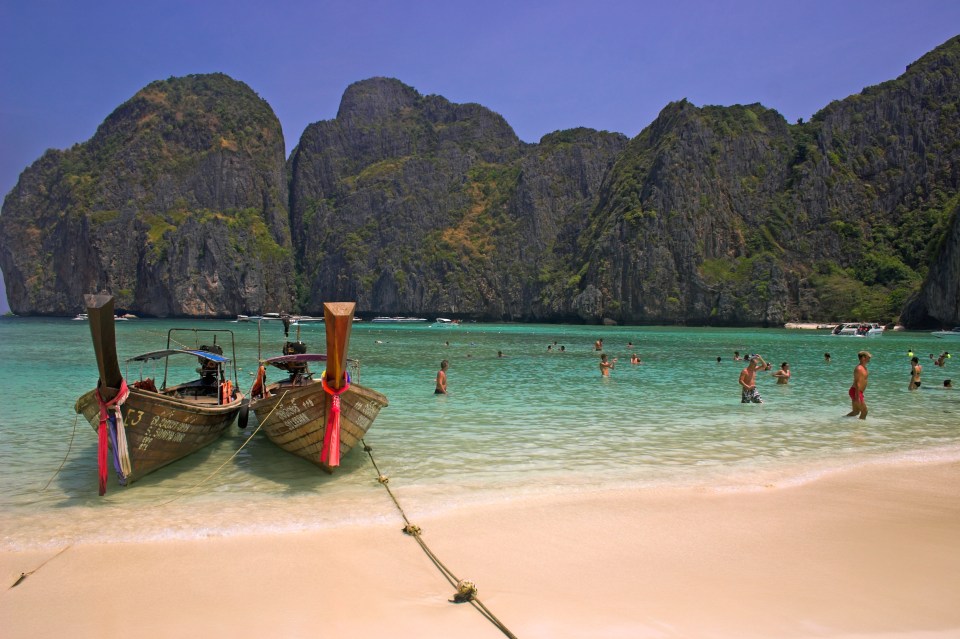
537 421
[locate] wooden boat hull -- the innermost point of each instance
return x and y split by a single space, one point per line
295 417
161 429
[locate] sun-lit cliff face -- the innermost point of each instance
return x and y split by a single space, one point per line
177 205
412 204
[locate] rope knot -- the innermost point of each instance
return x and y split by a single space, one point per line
411 529
383 479
466 591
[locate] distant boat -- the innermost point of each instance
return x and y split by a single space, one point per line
954 334
858 329
159 425
395 320
444 322
297 413
81 317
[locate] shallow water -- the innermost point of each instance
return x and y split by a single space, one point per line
533 422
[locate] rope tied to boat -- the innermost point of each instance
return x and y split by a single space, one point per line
229 459
466 590
116 422
330 453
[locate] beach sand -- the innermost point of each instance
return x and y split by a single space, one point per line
870 552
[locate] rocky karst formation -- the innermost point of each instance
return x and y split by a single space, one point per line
411 204
177 205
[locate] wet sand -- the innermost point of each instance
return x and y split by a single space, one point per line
871 552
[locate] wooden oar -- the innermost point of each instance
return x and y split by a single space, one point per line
101 317
338 318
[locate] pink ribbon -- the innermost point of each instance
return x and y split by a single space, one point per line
330 453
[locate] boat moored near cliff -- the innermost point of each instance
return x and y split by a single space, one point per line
320 419
142 427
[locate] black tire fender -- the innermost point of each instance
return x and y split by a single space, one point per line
244 415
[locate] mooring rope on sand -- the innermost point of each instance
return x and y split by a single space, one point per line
24 575
466 590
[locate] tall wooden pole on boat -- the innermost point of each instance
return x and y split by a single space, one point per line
338 320
100 315
338 317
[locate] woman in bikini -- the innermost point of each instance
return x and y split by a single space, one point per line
915 370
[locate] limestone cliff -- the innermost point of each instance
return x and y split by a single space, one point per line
937 304
177 206
410 204
730 215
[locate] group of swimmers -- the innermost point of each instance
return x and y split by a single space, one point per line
916 369
748 384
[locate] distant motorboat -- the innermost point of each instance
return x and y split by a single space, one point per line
859 329
443 321
81 317
954 334
394 320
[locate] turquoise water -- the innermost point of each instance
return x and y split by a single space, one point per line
533 422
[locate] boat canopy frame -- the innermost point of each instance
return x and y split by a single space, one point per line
165 354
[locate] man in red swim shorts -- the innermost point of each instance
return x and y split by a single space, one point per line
859 385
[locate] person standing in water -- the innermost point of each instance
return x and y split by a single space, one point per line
442 379
860 374
783 375
606 366
748 384
915 370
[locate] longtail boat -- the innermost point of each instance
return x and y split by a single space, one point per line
317 419
142 427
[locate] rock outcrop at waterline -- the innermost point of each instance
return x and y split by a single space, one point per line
177 205
937 304
411 204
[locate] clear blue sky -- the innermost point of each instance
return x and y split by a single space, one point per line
65 65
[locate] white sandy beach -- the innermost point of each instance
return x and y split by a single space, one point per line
872 552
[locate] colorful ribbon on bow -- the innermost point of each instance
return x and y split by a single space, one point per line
103 439
330 453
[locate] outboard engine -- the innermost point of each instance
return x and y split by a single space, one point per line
210 370
296 369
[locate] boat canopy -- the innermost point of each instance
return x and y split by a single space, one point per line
213 357
295 358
